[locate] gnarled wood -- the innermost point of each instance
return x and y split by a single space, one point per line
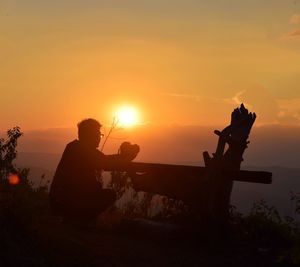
208 188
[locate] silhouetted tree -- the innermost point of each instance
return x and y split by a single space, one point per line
8 152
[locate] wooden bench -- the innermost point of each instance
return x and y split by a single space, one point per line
207 189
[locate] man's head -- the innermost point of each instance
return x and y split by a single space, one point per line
89 132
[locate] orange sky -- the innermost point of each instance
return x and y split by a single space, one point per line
189 62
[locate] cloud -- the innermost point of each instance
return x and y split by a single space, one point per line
185 96
269 108
198 108
295 19
224 103
197 98
238 98
289 111
292 36
294 33
259 100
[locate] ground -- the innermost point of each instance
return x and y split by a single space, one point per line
137 243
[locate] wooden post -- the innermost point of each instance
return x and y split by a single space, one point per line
219 189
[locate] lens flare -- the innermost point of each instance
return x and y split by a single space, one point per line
13 179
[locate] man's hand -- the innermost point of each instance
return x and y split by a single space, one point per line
128 151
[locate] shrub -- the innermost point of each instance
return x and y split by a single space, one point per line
21 205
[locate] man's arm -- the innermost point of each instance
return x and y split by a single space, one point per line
127 153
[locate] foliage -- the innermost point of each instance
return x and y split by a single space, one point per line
8 152
131 203
22 207
20 201
267 229
295 200
265 225
144 204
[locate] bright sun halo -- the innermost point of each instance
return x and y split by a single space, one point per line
127 116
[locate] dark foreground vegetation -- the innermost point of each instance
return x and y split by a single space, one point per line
31 236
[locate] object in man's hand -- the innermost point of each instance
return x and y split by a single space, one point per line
129 151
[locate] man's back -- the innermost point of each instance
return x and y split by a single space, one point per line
75 176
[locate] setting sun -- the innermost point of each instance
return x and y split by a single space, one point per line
127 116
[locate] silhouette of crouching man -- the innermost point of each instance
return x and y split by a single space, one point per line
76 192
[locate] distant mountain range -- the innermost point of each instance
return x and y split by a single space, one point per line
277 194
47 161
39 164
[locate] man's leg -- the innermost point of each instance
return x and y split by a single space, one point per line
104 199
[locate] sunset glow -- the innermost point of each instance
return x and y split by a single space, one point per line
192 60
127 116
125 125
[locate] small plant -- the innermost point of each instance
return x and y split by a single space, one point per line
295 200
145 204
22 207
113 127
262 209
8 152
20 202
